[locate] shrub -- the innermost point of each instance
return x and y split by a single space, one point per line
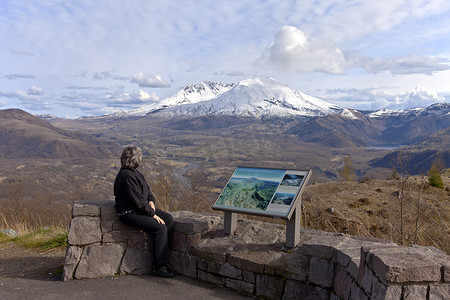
434 178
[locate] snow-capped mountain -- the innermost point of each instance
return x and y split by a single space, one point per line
434 109
251 97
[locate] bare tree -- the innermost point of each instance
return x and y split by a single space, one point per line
347 172
410 216
401 195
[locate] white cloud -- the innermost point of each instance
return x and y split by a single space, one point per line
402 65
21 95
292 51
382 98
154 81
3 103
421 96
27 100
37 105
34 90
130 100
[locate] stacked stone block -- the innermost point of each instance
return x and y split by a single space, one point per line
99 244
254 260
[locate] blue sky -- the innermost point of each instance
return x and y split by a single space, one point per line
84 58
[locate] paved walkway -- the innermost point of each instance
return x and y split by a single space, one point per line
121 287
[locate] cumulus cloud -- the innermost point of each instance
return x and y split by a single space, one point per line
292 51
382 98
154 81
131 100
34 90
421 96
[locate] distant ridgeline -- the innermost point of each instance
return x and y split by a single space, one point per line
23 135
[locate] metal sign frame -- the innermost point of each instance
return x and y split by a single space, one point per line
281 191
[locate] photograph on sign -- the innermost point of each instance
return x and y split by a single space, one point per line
261 191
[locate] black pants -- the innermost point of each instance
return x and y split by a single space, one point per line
159 231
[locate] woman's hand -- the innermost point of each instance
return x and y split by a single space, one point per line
159 220
152 205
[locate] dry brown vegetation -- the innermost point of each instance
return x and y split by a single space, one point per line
34 195
372 208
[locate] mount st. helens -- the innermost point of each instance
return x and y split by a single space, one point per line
257 97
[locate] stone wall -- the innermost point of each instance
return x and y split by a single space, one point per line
254 259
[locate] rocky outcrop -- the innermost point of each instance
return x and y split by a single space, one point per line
255 261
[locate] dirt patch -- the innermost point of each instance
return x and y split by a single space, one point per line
18 262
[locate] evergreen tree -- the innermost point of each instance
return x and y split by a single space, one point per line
434 177
434 174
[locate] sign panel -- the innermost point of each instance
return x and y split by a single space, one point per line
260 191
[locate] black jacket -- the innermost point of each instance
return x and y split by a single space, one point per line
132 192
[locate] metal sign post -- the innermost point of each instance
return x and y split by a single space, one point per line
229 222
293 227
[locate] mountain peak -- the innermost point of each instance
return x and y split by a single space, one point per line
207 87
258 97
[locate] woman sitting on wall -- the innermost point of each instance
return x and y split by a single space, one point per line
135 206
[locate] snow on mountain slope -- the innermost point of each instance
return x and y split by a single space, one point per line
251 97
193 93
434 109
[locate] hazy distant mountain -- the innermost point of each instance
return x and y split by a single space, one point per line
49 118
339 131
23 135
412 161
381 128
414 125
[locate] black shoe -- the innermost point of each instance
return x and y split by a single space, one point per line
163 271
169 267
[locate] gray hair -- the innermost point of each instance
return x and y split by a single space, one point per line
131 157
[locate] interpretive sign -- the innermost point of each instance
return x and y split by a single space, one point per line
264 192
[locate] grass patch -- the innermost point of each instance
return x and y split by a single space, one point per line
44 239
4 238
